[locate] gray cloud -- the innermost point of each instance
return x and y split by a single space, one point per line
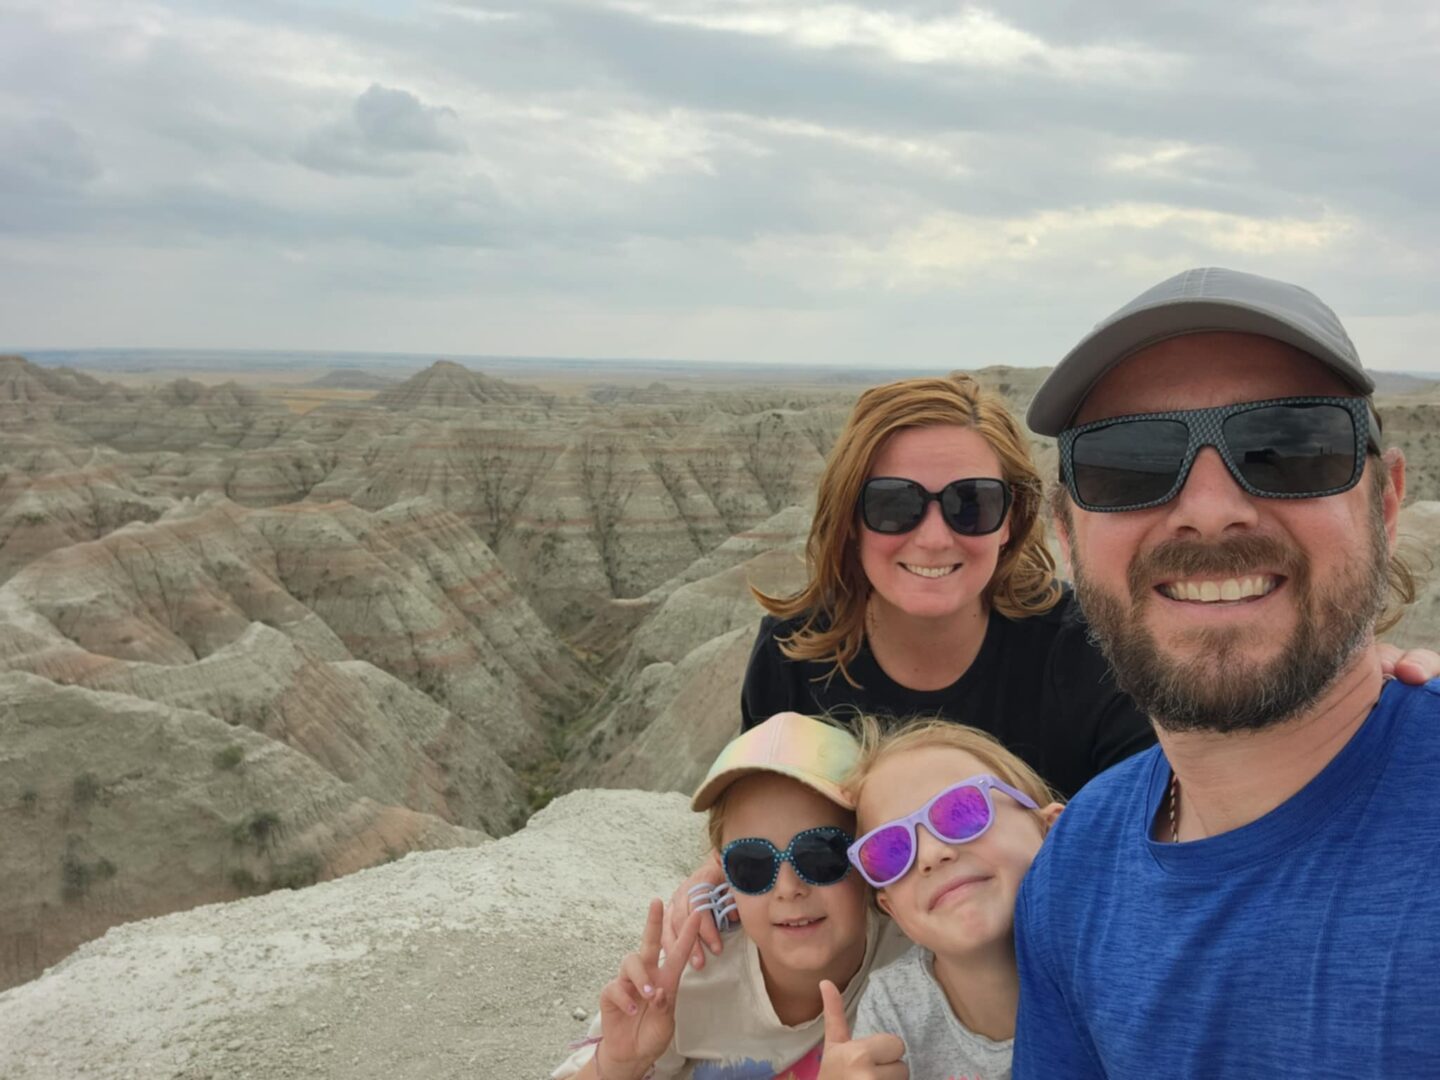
383 127
44 153
848 180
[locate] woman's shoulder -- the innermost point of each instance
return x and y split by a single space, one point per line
774 632
773 626
1059 642
1063 621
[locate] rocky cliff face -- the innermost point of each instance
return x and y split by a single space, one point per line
448 385
1420 542
245 612
447 604
388 654
117 808
674 697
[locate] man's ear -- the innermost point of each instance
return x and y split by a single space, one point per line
1060 518
1393 462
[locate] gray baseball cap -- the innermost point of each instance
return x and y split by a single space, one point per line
1195 302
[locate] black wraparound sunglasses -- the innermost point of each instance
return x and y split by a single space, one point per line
1286 448
971 507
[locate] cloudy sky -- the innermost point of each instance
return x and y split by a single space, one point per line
911 183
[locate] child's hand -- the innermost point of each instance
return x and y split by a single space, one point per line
709 873
875 1058
637 1007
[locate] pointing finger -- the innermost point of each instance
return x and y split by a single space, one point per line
639 973
671 972
650 943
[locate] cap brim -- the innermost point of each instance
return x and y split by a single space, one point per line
716 785
1059 398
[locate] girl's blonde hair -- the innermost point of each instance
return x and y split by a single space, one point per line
833 600
877 744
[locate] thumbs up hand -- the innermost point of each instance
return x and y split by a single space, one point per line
877 1057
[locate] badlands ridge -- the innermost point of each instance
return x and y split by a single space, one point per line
243 650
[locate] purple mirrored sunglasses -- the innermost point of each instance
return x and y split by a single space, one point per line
957 815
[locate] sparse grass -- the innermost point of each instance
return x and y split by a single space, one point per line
242 880
542 777
539 793
85 789
32 517
77 875
298 872
229 758
258 829
74 877
29 800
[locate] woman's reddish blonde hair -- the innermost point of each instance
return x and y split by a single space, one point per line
832 603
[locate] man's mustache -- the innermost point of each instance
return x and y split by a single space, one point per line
1230 557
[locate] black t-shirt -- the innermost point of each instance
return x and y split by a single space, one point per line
1037 684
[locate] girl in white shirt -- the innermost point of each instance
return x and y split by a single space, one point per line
781 821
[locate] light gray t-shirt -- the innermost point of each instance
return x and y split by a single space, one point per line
905 999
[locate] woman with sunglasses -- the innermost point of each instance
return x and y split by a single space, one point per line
931 591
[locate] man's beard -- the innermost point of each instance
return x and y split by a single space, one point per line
1217 688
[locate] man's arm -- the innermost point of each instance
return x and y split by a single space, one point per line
1049 1043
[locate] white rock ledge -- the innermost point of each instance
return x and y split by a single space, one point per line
467 964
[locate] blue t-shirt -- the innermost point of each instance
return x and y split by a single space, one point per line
1305 944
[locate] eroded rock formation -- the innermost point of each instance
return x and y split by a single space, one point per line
434 608
117 808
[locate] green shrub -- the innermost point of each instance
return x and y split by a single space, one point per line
29 800
229 758
74 876
242 880
77 875
257 829
85 789
298 872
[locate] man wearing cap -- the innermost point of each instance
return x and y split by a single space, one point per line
1258 895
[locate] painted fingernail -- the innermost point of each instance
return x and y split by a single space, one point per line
648 989
631 1008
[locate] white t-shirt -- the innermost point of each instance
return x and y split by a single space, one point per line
907 1000
726 1028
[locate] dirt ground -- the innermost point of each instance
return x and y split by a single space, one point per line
459 965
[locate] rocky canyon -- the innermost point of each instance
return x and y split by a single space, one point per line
248 647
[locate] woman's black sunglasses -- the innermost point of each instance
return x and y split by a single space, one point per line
1286 448
973 507
818 855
